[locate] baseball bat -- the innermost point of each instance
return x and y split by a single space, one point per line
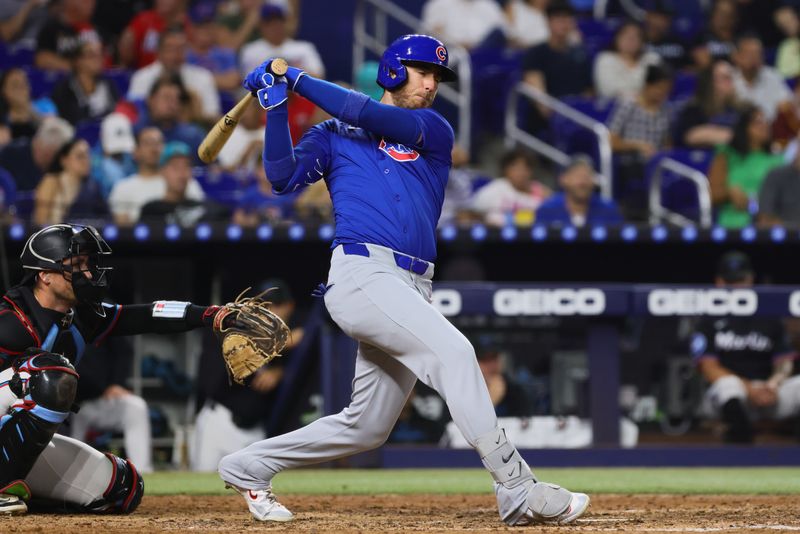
219 134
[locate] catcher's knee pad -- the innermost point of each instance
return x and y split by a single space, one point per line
125 491
45 385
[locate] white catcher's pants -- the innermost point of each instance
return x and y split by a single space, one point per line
67 470
126 414
402 337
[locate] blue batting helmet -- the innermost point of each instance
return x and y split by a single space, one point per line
412 49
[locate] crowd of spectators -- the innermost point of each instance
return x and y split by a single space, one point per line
130 86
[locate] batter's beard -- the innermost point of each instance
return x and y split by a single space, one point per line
403 100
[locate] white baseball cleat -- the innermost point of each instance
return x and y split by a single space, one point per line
11 504
546 506
577 507
264 505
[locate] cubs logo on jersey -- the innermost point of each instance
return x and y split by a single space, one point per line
398 152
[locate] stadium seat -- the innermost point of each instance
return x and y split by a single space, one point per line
121 78
89 131
480 181
570 137
18 57
42 81
499 71
597 34
226 100
8 189
683 86
23 204
222 187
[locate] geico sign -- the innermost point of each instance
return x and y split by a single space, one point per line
549 302
447 301
702 302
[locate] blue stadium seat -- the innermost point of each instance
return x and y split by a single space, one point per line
687 27
89 131
496 73
18 57
121 78
571 138
224 188
597 34
42 81
683 86
479 182
226 100
23 204
8 189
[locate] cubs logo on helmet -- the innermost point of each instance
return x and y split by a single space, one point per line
398 152
441 53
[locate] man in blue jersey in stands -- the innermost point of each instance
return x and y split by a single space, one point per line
386 165
578 203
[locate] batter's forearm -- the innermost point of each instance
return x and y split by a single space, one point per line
279 161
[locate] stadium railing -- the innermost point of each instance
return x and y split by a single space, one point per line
517 134
659 213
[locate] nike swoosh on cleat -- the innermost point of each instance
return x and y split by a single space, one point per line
254 497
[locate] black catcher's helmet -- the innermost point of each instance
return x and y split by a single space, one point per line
47 249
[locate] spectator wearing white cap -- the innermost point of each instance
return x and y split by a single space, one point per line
275 42
113 159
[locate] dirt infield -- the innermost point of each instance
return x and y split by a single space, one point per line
429 513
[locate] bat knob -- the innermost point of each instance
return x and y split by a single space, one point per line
279 66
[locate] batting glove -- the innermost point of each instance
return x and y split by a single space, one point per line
269 89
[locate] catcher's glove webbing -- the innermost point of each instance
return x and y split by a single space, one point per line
250 333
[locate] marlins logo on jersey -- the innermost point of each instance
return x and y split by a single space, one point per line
398 152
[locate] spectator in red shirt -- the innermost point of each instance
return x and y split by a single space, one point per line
138 45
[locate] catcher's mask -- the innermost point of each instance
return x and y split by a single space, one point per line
60 248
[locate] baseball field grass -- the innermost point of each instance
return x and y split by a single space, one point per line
683 481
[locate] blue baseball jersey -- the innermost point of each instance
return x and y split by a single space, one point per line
383 192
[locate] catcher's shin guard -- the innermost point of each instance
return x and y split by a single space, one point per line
45 384
125 491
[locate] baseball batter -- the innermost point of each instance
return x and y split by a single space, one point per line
386 165
45 324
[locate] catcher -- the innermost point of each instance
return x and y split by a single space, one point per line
45 323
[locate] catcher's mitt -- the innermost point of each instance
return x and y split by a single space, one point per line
250 333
